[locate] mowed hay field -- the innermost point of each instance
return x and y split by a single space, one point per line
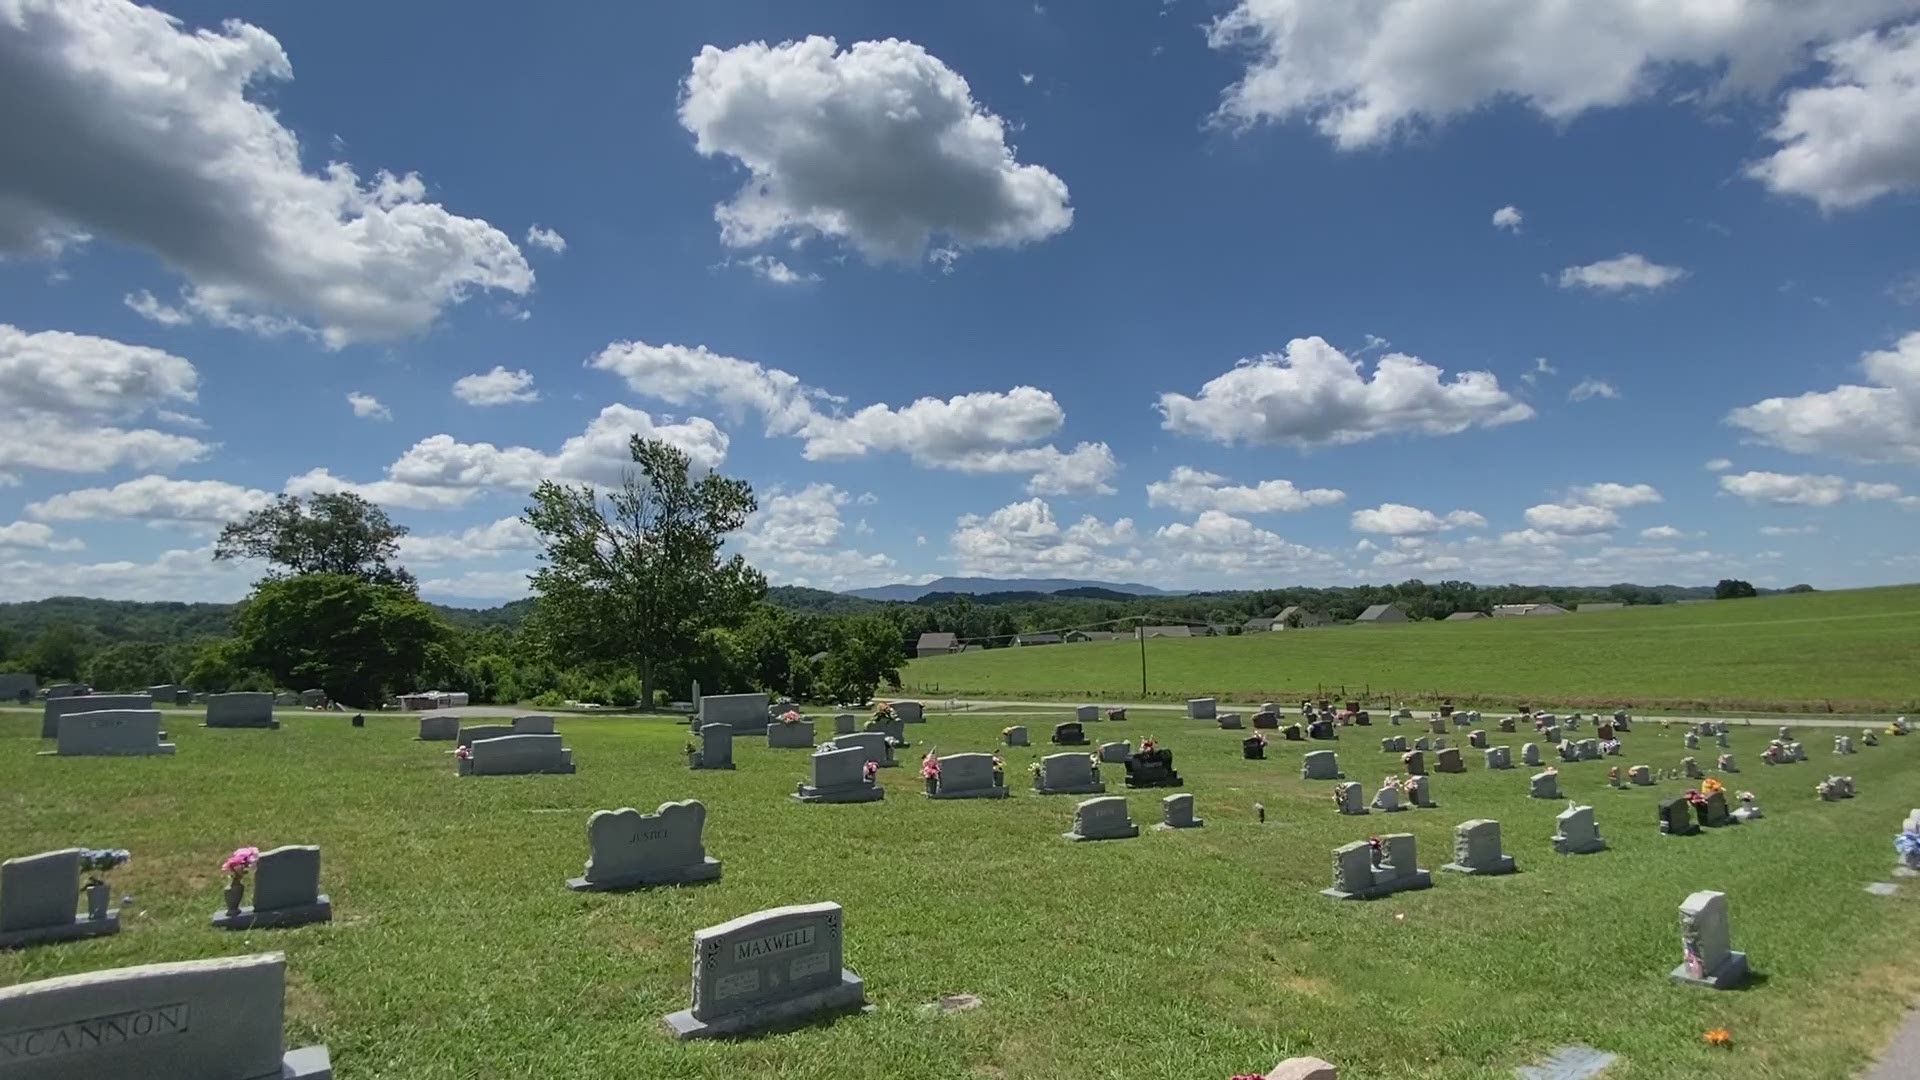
1857 650
457 952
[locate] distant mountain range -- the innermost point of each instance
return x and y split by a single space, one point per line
978 585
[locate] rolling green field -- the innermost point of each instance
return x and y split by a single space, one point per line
1847 651
457 952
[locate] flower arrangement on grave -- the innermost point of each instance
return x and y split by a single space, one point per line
791 716
237 866
1613 773
1338 802
1907 844
1711 786
1035 768
884 712
1116 714
465 753
1148 746
1550 771
1256 739
1746 796
999 771
1720 1037
1694 798
95 862
930 772
1008 730
1376 849
869 770
1409 786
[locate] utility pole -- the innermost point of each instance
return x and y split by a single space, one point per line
1140 631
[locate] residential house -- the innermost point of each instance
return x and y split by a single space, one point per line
1511 611
937 645
1258 626
1036 639
1465 616
1382 613
1294 613
1164 631
1073 637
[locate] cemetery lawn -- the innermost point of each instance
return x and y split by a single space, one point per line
457 951
1850 651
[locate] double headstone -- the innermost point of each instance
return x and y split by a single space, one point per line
839 776
1676 818
1707 957
797 735
766 969
538 724
58 707
39 903
1476 849
1151 769
632 850
1544 785
1067 774
1069 734
1393 744
1176 812
286 892
1448 761
199 1018
110 733
439 728
1320 765
874 745
1499 757
969 776
1576 832
746 714
1362 873
1102 818
1200 708
715 750
240 710
1229 721
514 755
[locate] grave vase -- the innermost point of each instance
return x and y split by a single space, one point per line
99 899
236 893
933 785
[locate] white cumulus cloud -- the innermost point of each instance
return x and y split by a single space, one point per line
881 145
1313 394
795 538
154 498
1508 218
548 239
1878 423
1616 496
32 535
1398 519
491 540
1590 387
1193 490
124 123
1855 137
1799 489
1620 274
496 387
64 397
1571 520
368 407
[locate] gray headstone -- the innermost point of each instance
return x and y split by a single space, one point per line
716 747
1448 761
1387 799
746 714
1087 714
871 743
1067 774
1544 785
114 733
910 712
1015 736
1414 763
439 728
1499 757
845 724
510 755
630 849
1176 812
839 775
1200 708
1476 849
205 1019
469 735
1102 818
795 736
1576 833
969 776
1320 765
58 707
767 968
1419 793
39 892
1115 752
286 892
1530 754
1706 944
1229 721
241 710
533 725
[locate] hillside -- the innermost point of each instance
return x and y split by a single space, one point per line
1852 650
977 585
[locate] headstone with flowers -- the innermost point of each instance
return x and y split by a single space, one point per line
1906 847
40 897
1067 774
286 889
1676 815
878 748
842 775
1707 957
1376 867
1711 810
964 776
1726 763
1014 736
1254 747
1418 793
1640 776
1151 767
1869 737
1899 725
1414 762
1346 799
886 721
1387 799
790 732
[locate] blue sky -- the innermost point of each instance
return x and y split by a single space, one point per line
1204 294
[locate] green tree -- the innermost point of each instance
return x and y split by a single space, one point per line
634 576
216 668
129 665
866 651
1733 589
58 654
359 641
339 533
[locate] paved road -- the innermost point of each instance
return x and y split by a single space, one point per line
981 705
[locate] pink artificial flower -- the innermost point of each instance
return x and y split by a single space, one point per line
240 861
869 770
464 753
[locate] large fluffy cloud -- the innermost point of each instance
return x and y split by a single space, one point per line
479 542
64 397
1398 519
1193 490
795 539
440 471
172 575
981 432
881 145
154 498
1220 543
1024 538
1617 496
497 387
120 122
1795 489
1366 70
1857 136
1313 394
1879 423
33 535
1573 520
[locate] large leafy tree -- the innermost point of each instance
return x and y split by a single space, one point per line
867 650
337 533
360 641
634 575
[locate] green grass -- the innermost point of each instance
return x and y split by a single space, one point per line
457 952
1816 652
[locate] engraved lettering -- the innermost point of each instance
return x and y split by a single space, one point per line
773 943
101 1031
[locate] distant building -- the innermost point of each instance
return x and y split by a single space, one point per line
1585 608
1465 616
1382 613
1258 626
1073 637
1164 631
1286 619
937 645
18 686
1512 611
1036 639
